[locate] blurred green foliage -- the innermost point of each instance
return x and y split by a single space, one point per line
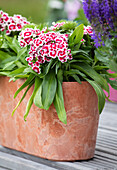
81 19
35 10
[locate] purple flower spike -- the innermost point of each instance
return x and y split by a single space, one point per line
102 14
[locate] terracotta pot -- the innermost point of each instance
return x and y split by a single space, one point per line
43 134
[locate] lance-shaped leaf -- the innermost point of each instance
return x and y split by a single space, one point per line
30 101
38 96
21 52
76 36
48 89
22 97
59 103
88 70
27 82
4 55
17 72
100 94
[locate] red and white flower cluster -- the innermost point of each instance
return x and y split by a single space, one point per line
44 46
8 23
56 25
88 30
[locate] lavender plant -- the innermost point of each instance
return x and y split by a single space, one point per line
102 14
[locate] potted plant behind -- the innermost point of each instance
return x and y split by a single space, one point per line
102 16
64 79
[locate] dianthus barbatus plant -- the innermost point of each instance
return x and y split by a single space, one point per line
102 14
47 56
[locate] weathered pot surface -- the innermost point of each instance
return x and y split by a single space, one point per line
43 134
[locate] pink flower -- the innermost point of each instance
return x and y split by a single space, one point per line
28 40
45 48
40 59
29 59
70 57
59 40
53 46
27 34
53 53
88 30
61 46
12 27
36 69
19 27
61 53
7 32
38 42
33 48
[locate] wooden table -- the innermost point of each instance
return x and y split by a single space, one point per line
105 155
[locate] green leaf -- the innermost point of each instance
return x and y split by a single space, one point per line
74 71
98 67
22 97
80 54
49 65
13 44
59 103
112 75
113 66
9 66
58 65
113 83
81 17
17 71
60 75
76 78
21 76
30 101
9 39
100 94
16 45
101 56
48 89
47 68
21 52
4 73
38 96
88 70
29 70
69 25
76 36
27 82
4 55
7 60
18 64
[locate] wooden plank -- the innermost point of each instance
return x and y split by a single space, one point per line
2 168
111 107
83 165
105 155
108 117
48 163
97 165
17 163
74 166
105 159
